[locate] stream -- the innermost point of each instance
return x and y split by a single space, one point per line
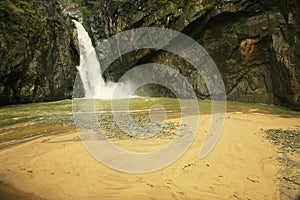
20 123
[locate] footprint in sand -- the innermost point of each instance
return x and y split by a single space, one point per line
167 187
180 193
168 184
187 166
266 163
150 185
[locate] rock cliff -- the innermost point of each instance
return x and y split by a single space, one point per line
37 50
255 44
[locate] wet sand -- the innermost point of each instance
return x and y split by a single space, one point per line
243 165
24 132
7 192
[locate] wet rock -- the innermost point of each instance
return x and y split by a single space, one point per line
254 44
140 127
38 53
287 140
288 143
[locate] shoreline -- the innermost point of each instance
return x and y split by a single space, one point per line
242 165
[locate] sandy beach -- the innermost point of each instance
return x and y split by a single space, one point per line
243 165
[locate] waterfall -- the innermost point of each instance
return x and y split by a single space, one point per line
90 70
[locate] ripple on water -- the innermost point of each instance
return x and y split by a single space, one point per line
20 123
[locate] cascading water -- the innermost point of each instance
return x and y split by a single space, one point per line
90 70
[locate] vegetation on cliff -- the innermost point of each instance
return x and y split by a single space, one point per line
255 45
38 54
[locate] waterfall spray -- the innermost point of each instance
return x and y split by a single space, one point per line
90 70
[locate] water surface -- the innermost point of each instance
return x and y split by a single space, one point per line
20 123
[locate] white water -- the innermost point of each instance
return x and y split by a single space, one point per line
90 71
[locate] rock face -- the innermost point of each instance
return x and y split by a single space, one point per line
38 52
255 44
